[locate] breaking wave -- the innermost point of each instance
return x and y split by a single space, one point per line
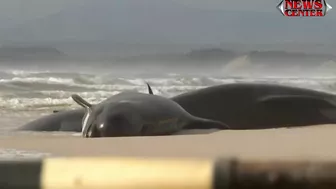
43 90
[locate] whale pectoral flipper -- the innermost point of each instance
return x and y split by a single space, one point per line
330 113
201 123
79 100
88 109
314 105
295 101
160 127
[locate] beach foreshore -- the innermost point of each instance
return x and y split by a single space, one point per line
306 143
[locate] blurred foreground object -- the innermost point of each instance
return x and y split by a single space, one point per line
149 173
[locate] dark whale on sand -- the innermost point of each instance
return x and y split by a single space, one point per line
69 120
138 114
66 120
260 106
241 106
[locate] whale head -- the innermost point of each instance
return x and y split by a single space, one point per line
110 119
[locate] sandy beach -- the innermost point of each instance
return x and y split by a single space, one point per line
29 95
309 143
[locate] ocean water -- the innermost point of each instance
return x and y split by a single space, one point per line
27 95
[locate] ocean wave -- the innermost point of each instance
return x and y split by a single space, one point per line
51 99
103 83
45 89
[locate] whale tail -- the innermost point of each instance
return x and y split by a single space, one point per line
201 123
88 109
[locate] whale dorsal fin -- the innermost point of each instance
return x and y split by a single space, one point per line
88 110
150 91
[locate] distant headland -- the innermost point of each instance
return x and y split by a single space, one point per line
30 53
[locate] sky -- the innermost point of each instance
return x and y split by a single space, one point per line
255 5
21 10
15 12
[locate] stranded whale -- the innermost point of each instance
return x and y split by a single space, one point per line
242 106
260 106
138 114
66 120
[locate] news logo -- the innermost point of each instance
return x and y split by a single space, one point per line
304 8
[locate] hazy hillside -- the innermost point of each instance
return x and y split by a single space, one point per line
163 21
33 53
272 58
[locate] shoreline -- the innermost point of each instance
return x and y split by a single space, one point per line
310 143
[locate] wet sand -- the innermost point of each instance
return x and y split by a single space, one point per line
312 143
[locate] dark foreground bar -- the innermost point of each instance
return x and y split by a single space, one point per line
20 174
275 175
130 173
